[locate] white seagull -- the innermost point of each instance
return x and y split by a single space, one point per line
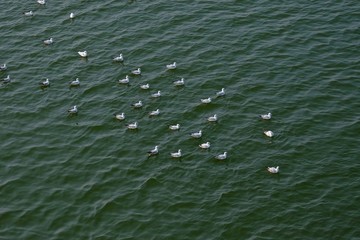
265 116
269 133
145 86
132 125
124 80
119 116
45 83
212 118
221 156
29 13
75 82
174 127
7 79
73 110
206 100
179 82
171 66
176 154
205 145
83 54
156 95
221 93
196 134
273 169
48 41
42 2
137 104
154 113
136 71
153 151
72 16
119 58
3 67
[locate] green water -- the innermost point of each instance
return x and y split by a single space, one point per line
87 176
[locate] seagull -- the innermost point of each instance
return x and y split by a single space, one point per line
153 151
75 82
42 2
132 125
205 145
7 79
212 118
269 133
174 127
29 13
3 67
125 80
171 66
206 100
265 116
196 134
72 15
119 58
154 113
176 154
179 82
137 104
221 93
48 41
156 95
83 54
45 83
145 86
119 116
73 110
221 156
136 71
273 169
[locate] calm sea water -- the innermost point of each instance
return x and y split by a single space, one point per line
89 177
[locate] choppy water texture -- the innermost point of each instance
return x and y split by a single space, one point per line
88 177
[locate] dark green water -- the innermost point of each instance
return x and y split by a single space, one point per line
89 177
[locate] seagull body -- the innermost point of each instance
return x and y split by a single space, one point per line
221 93
7 79
119 58
174 127
3 67
119 116
48 41
45 83
154 113
73 110
171 66
125 80
42 2
176 154
29 13
72 16
137 104
269 133
132 125
212 118
265 116
156 95
75 82
83 54
145 86
273 169
206 100
136 71
205 145
179 82
153 151
196 134
221 156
